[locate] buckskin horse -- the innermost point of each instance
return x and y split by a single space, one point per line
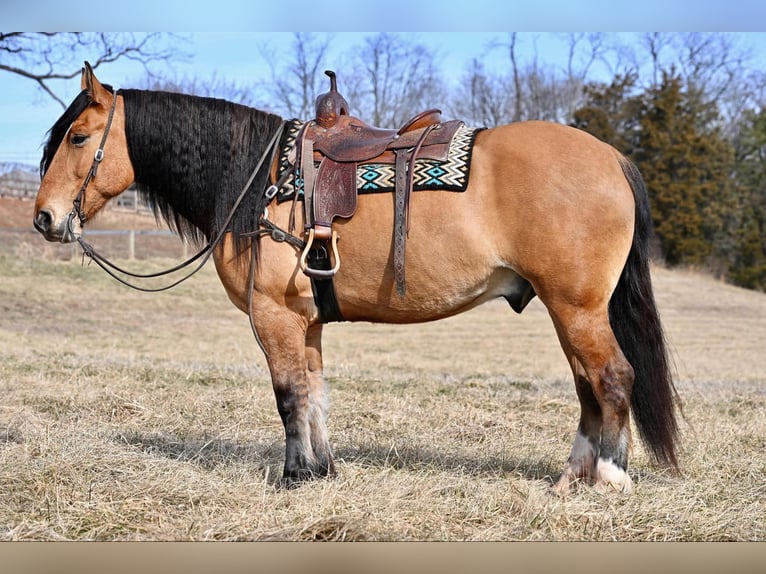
549 211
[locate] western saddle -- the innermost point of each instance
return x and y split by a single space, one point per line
340 142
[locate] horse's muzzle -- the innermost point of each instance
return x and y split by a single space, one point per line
64 232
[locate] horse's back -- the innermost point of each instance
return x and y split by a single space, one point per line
546 160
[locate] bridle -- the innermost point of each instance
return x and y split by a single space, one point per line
79 201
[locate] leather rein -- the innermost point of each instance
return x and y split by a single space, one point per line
268 228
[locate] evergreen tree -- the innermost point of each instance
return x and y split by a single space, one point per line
610 112
686 164
706 191
748 259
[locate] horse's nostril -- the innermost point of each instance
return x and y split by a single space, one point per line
43 220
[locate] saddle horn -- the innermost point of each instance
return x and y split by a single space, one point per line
330 105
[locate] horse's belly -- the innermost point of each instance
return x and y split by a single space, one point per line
431 294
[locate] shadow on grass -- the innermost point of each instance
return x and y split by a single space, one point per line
417 458
205 451
10 435
211 453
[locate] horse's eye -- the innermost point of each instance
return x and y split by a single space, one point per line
78 140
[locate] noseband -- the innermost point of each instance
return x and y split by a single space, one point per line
78 205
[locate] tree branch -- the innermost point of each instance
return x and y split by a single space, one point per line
45 56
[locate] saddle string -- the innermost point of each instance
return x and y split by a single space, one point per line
206 251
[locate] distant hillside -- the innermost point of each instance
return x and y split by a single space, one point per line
9 166
18 179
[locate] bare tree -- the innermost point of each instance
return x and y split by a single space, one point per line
517 96
394 78
710 61
584 50
714 68
212 87
44 57
544 89
530 89
746 93
296 83
483 99
655 44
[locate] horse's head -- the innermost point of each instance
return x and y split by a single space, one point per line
85 161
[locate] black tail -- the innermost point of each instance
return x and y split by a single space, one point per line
636 324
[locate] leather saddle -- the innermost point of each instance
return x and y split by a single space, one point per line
350 139
340 142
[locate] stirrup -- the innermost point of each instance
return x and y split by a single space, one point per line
320 273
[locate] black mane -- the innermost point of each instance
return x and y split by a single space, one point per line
192 156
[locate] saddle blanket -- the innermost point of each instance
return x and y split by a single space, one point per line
450 175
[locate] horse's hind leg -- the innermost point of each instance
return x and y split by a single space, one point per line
581 463
604 379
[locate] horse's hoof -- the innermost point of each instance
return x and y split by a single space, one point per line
292 480
610 478
289 483
570 481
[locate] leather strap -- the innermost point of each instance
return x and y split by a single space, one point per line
308 174
323 289
78 209
400 217
403 185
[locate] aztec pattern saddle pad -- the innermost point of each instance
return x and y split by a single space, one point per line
450 175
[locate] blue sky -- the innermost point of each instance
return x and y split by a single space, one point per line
26 113
227 49
392 15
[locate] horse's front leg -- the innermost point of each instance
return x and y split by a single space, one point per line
294 359
318 403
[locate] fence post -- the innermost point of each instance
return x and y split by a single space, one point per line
132 244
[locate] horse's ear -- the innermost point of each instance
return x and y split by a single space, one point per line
90 84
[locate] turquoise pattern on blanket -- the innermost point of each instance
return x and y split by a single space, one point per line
450 175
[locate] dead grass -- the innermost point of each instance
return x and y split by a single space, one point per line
128 416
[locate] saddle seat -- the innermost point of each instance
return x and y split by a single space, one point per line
351 139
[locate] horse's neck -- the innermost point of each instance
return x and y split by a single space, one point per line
181 198
174 176
194 156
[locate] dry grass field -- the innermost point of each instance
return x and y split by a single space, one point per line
130 416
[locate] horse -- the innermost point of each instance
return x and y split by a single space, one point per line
549 211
